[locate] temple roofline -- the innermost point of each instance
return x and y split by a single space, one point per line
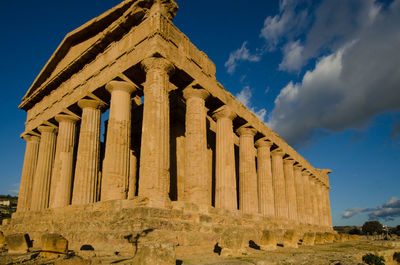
91 28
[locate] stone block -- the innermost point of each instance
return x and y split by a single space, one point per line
160 254
268 240
17 243
232 238
290 239
319 238
329 237
53 245
309 239
353 237
344 237
338 238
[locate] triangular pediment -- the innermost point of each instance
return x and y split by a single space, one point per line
87 41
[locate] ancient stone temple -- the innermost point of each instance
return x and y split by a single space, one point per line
179 160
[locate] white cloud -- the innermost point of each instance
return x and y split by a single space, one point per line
288 23
336 24
353 212
292 57
387 211
241 54
348 87
244 96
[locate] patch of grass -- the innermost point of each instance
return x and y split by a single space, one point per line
396 257
372 259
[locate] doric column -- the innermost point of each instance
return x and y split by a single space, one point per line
41 181
278 177
61 179
248 197
88 156
196 184
308 208
315 213
328 207
225 173
264 178
154 175
298 180
115 174
321 203
290 189
28 172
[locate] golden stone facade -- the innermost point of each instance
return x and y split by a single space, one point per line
175 139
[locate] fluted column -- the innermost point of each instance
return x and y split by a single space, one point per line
300 198
225 174
196 182
88 155
321 203
248 197
315 208
264 178
41 180
290 188
308 206
116 166
278 177
328 207
61 179
28 172
154 175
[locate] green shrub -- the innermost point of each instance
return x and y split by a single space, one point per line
372 259
396 257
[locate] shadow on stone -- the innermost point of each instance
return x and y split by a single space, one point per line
217 249
87 247
179 262
135 239
253 245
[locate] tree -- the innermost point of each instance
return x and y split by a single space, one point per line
371 227
395 230
355 231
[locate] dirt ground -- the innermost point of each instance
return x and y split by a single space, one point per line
346 253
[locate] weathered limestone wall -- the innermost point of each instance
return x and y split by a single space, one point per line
106 225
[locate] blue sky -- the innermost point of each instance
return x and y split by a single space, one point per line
324 74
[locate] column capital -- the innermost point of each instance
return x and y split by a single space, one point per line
158 63
305 173
312 177
65 117
224 112
90 103
288 160
45 128
263 142
246 130
298 167
31 138
191 92
121 85
277 152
